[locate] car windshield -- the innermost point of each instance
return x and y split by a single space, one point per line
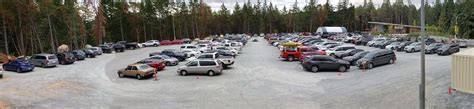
202 45
165 57
369 55
143 67
360 54
51 57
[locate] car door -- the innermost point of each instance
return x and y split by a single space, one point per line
134 71
192 67
323 63
377 60
204 66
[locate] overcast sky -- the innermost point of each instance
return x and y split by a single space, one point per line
215 4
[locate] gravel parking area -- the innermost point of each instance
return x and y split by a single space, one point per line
258 79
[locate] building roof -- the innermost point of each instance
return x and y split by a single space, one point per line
384 23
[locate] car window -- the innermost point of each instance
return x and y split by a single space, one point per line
191 46
202 45
144 67
183 47
134 68
129 68
303 50
52 57
207 63
193 63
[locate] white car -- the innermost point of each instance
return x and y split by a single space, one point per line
413 47
393 46
190 50
236 45
332 51
203 47
150 43
1 71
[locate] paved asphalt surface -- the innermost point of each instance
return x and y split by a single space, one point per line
258 79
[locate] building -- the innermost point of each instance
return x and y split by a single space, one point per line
392 28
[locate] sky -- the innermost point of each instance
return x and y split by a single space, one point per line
216 4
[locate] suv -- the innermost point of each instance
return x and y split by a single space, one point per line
79 54
97 50
118 47
66 58
105 49
201 66
448 49
190 50
89 53
187 41
151 43
172 53
431 49
320 62
44 60
332 51
376 58
413 47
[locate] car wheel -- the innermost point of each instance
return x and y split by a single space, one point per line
314 69
120 74
183 73
18 70
211 73
43 65
290 58
342 68
412 50
391 61
192 55
168 64
156 45
139 77
354 63
332 55
370 66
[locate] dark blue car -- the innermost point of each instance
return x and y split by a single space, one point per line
19 65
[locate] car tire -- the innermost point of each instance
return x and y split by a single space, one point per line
183 73
332 55
391 61
144 45
290 58
18 70
370 66
342 68
156 45
314 69
412 50
42 65
192 55
168 64
211 73
120 74
139 77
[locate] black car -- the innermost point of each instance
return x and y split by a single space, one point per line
79 54
129 45
66 58
118 47
403 45
321 62
187 41
385 43
171 53
353 59
106 48
448 49
363 40
346 53
431 49
376 58
89 53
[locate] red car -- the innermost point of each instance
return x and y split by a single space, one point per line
158 64
165 42
177 41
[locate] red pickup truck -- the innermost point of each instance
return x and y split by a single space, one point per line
291 53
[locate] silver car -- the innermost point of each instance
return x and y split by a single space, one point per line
169 61
97 50
201 66
44 60
413 47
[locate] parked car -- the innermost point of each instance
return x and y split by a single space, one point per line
169 61
129 45
106 48
353 59
19 65
165 42
187 41
375 41
350 52
403 45
234 52
226 61
190 50
158 64
462 44
393 46
44 60
385 43
413 47
255 40
150 43
66 58
137 70
320 62
89 53
79 54
448 49
97 50
172 53
377 58
1 72
198 66
118 47
332 51
433 47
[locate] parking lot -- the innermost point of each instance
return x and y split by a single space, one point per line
258 79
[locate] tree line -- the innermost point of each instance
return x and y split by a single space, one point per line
37 26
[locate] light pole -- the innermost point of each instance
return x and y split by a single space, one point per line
422 84
456 27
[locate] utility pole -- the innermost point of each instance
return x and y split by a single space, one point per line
422 85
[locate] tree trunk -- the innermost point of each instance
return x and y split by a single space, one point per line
51 34
121 29
5 38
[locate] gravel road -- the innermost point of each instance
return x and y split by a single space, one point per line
258 79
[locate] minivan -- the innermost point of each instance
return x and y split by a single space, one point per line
44 60
376 58
201 66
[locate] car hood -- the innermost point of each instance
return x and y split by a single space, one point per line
349 58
